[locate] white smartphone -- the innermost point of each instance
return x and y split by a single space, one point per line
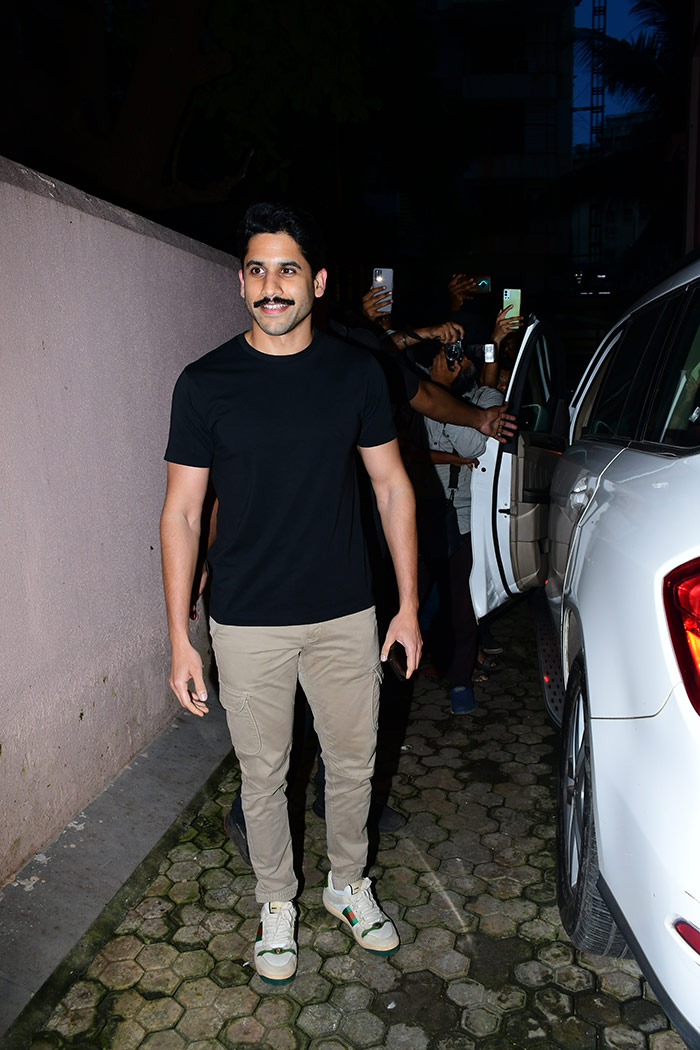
511 297
386 278
489 353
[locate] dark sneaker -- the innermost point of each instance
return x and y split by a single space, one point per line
275 946
234 826
462 699
357 908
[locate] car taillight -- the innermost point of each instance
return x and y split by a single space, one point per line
682 601
689 934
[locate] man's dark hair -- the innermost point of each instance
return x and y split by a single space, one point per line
271 217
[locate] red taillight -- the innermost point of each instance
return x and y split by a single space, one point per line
689 934
682 600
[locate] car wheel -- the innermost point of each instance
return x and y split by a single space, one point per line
584 913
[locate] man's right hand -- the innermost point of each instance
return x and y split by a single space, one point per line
186 665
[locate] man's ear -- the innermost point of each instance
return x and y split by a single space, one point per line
320 283
240 278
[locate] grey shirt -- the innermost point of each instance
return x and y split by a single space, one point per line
466 442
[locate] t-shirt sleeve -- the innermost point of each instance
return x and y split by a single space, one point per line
190 440
377 422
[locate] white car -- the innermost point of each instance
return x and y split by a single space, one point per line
596 505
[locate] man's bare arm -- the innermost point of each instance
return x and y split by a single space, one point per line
437 403
397 508
180 525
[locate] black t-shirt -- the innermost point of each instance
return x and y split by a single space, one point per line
279 434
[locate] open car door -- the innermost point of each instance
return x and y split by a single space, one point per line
510 486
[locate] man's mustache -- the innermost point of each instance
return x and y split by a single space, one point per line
274 299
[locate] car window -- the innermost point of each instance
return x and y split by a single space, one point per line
537 401
622 394
674 418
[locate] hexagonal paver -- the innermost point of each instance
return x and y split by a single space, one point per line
480 1022
319 1019
246 1031
200 1023
363 1028
158 1014
200 992
193 964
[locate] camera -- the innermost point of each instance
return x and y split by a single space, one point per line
453 354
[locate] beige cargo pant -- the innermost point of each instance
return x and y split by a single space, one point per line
337 664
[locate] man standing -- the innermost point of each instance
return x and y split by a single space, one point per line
276 415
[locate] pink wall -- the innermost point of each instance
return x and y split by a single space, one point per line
99 311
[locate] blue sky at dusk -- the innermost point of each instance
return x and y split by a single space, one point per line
619 23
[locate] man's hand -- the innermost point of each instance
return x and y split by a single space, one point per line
446 332
440 371
187 664
459 288
404 629
504 325
373 300
497 423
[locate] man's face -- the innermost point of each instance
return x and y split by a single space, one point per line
277 284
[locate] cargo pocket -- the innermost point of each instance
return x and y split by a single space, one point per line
377 679
243 728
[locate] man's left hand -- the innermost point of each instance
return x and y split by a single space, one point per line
404 629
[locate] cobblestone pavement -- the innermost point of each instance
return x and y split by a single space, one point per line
484 962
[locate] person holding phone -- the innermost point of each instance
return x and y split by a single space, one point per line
290 593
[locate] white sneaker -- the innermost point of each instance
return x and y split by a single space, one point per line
275 946
356 906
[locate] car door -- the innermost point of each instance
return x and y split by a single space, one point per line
510 486
605 415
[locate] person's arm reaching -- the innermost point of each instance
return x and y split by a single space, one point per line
437 403
397 509
180 525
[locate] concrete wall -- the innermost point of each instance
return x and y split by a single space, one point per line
99 311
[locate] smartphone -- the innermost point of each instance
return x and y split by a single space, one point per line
386 278
397 660
483 284
511 297
489 353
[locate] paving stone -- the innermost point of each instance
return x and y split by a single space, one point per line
193 964
620 985
667 1041
574 1034
643 1015
362 1028
597 1008
466 993
158 982
406 1037
128 1035
274 1013
200 992
159 1013
480 1022
319 1019
200 1023
119 975
164 1041
237 1002
553 1004
623 1038
351 997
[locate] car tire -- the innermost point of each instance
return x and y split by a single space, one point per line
584 914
